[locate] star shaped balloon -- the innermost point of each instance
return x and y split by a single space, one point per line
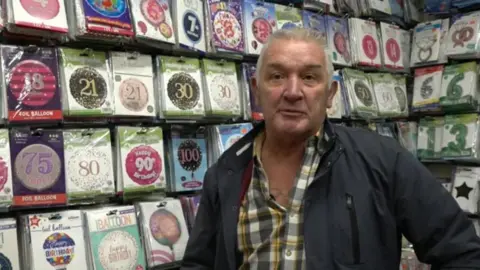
463 191
34 221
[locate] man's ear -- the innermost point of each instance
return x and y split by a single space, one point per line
255 93
332 91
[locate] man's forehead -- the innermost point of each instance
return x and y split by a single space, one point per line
294 52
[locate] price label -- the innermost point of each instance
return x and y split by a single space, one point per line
192 26
227 29
32 83
183 91
88 88
133 95
143 165
42 9
88 169
224 92
38 167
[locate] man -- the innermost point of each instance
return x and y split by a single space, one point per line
298 193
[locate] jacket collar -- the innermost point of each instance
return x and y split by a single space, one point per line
238 156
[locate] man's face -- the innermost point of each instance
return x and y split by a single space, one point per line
292 87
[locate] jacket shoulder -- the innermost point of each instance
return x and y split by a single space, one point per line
367 141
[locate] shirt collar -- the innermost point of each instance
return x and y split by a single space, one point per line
321 139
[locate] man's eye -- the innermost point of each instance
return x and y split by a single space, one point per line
309 77
276 76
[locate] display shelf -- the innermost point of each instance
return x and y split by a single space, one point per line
459 162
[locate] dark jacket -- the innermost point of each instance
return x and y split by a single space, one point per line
367 192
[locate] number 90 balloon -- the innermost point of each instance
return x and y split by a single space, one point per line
59 250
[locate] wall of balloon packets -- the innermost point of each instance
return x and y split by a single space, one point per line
88 95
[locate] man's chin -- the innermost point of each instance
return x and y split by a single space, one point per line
292 126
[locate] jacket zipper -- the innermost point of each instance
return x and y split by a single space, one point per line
354 229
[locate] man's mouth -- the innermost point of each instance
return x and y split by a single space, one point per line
291 113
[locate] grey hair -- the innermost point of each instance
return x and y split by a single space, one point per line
300 34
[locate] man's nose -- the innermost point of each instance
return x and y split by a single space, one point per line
293 89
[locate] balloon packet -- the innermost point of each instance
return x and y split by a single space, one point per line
164 231
9 255
142 160
114 239
55 241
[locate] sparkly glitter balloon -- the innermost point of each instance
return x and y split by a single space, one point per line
165 227
183 90
88 87
118 250
59 250
87 169
38 167
224 92
189 155
363 93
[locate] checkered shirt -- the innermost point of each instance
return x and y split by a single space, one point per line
269 235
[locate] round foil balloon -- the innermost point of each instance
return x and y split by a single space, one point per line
227 29
363 93
45 10
183 90
32 83
4 163
108 8
59 250
165 227
5 262
189 155
118 250
133 94
224 92
38 167
261 29
88 87
153 12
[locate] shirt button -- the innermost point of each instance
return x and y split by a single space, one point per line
288 253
